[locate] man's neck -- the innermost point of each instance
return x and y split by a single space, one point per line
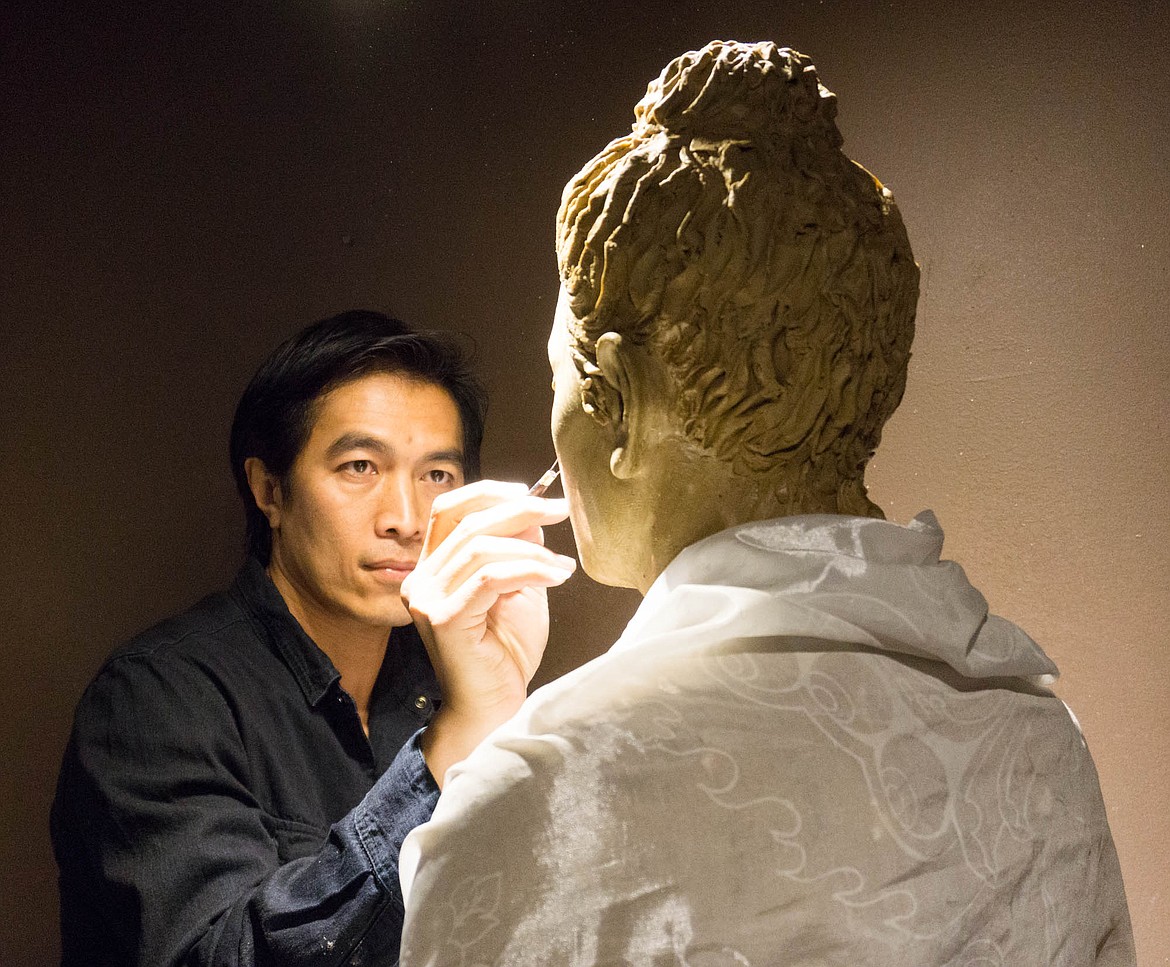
355 647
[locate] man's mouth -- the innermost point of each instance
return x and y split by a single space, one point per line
391 568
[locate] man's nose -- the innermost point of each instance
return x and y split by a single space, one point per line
402 511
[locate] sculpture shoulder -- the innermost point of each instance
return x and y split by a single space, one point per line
745 794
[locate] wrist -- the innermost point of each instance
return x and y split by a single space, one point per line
454 733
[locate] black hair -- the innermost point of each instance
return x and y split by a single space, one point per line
276 413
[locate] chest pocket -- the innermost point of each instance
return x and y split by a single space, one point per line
294 839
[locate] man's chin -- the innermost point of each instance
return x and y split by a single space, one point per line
382 608
390 616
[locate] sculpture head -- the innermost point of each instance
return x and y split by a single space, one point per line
736 313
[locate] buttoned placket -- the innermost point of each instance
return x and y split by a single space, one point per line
349 723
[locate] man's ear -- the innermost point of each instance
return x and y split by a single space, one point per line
265 487
625 382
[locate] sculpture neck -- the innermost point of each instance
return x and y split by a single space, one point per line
695 496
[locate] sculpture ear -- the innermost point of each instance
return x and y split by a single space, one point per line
622 374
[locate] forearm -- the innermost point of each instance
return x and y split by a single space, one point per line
211 890
343 904
452 737
331 908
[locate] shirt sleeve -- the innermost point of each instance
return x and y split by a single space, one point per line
167 859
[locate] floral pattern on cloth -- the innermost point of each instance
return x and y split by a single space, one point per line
812 745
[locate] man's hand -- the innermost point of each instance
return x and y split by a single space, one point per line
478 597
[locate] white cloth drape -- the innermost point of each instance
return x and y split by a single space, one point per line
812 745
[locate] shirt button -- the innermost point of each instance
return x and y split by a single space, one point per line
421 702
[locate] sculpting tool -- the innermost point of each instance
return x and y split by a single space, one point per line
546 480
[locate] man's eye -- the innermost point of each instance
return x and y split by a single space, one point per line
360 467
440 476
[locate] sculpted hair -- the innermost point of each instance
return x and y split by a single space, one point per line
277 411
771 274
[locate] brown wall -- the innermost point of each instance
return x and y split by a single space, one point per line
182 188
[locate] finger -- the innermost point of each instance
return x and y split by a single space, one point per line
483 550
533 535
467 605
508 519
450 508
438 598
513 517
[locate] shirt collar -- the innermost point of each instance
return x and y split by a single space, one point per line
310 666
855 580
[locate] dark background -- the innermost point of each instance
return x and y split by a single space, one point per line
185 184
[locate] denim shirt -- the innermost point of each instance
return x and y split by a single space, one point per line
220 803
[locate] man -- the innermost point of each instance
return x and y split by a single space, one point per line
240 777
812 744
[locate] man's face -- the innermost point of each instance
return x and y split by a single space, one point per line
349 525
